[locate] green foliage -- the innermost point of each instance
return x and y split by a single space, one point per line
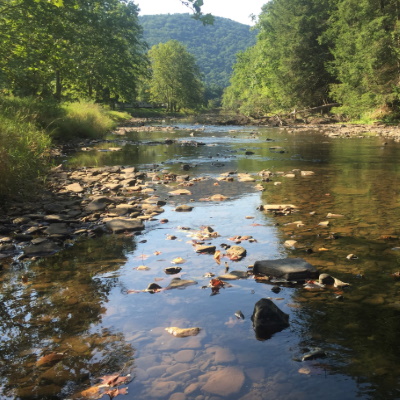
286 68
313 52
366 53
23 155
85 120
89 49
175 77
249 93
214 46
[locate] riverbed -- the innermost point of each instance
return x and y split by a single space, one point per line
83 315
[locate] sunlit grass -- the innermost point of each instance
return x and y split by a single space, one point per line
24 156
86 120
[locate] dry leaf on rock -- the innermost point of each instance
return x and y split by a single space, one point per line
216 283
182 332
114 380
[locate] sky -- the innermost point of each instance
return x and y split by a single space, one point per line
237 10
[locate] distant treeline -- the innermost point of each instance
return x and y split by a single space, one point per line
313 52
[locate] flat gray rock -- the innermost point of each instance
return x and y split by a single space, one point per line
286 268
118 225
59 228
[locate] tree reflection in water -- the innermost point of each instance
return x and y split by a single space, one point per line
48 345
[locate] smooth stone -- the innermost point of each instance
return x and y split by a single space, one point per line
162 389
122 209
60 228
21 220
290 244
53 218
118 225
224 382
286 268
178 368
74 187
237 251
205 249
184 356
156 371
268 319
178 396
223 355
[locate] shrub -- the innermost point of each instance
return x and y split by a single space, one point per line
24 151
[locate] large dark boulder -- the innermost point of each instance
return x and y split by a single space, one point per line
268 319
291 269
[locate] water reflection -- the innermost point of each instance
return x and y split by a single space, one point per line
49 346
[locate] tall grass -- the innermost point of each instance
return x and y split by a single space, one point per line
86 120
24 156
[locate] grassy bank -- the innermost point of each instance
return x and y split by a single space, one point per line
29 127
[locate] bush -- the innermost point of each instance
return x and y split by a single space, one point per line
24 151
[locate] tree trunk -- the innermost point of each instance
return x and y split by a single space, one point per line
58 86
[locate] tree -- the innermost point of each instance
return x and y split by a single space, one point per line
286 68
82 48
366 36
291 30
175 77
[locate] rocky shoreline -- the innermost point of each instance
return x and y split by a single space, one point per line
85 202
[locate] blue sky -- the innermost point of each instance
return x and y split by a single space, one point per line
237 10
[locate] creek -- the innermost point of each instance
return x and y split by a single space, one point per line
86 306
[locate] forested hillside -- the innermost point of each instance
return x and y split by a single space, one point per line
214 46
322 51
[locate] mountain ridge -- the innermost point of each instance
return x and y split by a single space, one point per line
214 46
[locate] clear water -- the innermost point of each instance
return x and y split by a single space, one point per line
86 303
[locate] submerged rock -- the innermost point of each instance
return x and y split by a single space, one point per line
224 382
268 319
43 249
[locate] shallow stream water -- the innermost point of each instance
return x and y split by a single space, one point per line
86 303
